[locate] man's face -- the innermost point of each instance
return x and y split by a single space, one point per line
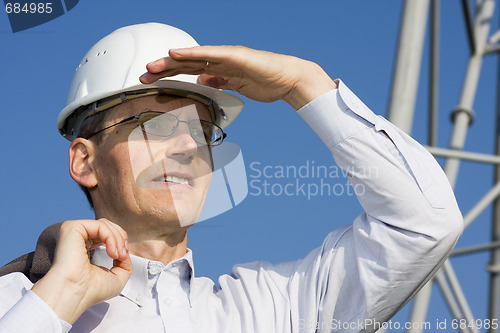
146 181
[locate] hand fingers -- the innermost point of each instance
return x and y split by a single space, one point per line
168 63
72 263
122 265
122 269
194 57
213 60
167 67
123 235
96 232
116 245
220 53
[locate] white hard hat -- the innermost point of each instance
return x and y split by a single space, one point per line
111 68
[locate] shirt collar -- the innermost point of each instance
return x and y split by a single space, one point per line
137 286
189 258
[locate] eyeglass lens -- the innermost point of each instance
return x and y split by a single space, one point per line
162 125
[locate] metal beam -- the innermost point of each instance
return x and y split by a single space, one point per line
474 249
468 26
462 116
463 155
407 65
401 110
449 297
403 95
482 204
495 222
459 294
434 75
420 306
492 49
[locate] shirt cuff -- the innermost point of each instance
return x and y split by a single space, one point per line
337 115
32 314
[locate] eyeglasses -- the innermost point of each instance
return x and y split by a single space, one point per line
161 125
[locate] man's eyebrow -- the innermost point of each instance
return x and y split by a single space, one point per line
152 110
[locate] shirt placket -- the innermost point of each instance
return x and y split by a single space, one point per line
173 298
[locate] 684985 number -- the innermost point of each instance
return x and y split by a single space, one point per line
28 8
478 323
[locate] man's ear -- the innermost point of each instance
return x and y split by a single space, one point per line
81 158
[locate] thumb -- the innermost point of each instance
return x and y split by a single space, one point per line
214 82
115 281
122 270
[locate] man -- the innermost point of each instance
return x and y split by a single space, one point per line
143 152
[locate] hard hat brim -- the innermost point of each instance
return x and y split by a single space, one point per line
230 104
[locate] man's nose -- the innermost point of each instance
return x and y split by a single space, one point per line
182 146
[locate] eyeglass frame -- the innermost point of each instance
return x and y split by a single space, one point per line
74 122
189 122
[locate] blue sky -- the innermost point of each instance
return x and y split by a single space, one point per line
353 40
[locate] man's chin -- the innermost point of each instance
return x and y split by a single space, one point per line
177 204
182 215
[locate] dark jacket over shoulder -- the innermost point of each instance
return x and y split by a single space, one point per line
37 263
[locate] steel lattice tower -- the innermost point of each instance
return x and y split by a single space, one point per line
482 41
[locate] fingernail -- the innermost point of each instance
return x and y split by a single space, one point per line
116 252
143 78
126 244
177 52
124 250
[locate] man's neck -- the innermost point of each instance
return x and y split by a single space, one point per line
164 249
157 240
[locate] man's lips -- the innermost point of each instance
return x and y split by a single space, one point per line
175 178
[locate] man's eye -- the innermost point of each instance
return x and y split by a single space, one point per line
197 132
159 127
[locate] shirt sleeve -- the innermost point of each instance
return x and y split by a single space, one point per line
21 310
366 271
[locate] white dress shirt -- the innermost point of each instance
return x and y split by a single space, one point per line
363 272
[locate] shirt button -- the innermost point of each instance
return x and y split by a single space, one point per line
153 270
167 301
138 298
